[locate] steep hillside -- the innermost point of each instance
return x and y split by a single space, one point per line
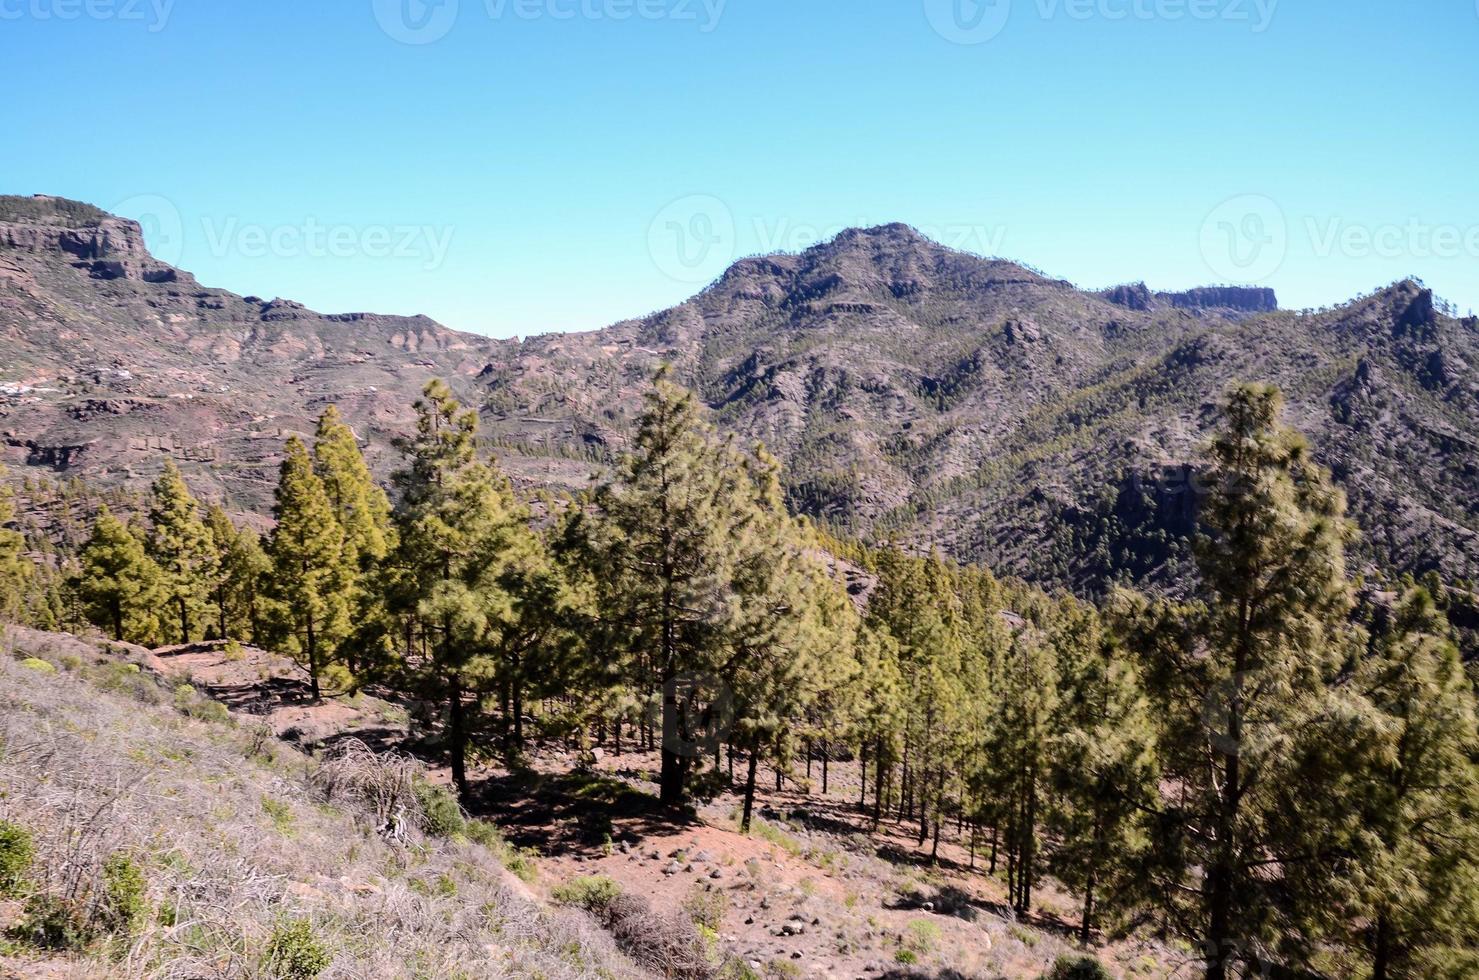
985 409
165 839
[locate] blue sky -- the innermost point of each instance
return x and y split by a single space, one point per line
524 166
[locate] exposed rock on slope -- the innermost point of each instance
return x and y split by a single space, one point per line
914 392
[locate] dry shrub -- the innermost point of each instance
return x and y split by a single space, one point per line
382 784
669 945
92 774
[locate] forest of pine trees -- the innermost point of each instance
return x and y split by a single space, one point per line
1281 770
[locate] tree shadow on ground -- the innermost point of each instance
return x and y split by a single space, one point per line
577 812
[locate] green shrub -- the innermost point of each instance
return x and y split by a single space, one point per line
923 934
706 907
593 892
1078 968
906 956
294 952
484 833
280 813
39 665
198 706
52 923
128 679
124 907
444 816
17 850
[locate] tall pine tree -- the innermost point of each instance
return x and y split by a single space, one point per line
121 589
662 540
310 585
180 544
1244 681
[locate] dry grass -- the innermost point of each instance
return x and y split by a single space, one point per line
245 853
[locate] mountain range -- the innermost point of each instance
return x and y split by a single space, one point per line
915 393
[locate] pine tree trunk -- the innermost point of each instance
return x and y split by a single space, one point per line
825 754
117 617
1381 962
313 663
457 738
1086 926
749 790
184 619
518 705
878 784
862 776
672 763
1029 843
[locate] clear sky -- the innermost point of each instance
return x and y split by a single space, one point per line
524 166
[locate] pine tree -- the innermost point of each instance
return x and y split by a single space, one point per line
241 579
359 504
662 543
1241 681
309 583
121 588
16 571
180 544
1416 912
460 534
1105 777
1019 744
790 643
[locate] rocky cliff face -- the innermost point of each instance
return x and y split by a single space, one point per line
111 360
915 393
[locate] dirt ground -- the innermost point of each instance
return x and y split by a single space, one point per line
812 891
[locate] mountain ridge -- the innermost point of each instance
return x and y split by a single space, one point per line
916 393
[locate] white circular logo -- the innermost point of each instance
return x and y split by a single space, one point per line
164 229
415 21
969 21
692 239
1245 239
